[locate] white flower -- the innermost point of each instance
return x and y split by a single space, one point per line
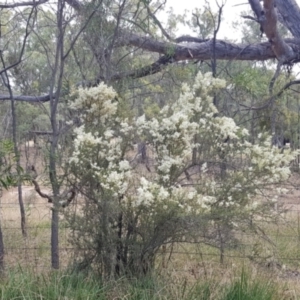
163 194
108 134
204 168
124 165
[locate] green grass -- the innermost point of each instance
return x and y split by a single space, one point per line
20 284
246 289
25 285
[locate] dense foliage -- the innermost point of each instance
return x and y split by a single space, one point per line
201 168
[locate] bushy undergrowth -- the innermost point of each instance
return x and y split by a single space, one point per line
203 182
21 284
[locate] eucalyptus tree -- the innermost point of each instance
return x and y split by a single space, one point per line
127 32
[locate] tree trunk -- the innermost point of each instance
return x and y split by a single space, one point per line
18 165
22 210
55 209
56 80
16 150
54 238
1 252
142 152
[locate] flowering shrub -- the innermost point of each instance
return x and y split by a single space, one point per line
203 166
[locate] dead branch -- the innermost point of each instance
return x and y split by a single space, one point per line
19 4
64 203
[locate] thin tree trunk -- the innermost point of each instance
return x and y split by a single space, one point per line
22 210
18 164
54 239
1 252
56 80
16 151
119 256
55 189
222 248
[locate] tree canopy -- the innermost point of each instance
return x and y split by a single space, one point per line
127 27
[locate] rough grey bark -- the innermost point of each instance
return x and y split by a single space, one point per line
290 13
267 16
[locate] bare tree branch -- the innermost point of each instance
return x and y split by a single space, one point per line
73 42
22 98
274 78
250 18
144 71
203 51
32 16
188 38
36 185
19 4
69 194
186 48
216 30
257 9
156 21
269 101
182 52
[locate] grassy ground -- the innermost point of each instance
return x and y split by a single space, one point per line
34 250
24 285
192 272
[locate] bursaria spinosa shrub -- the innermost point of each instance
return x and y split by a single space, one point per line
203 176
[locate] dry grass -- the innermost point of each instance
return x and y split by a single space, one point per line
33 250
189 263
195 260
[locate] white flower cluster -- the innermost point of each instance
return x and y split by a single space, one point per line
155 196
103 158
173 132
95 104
189 123
271 162
205 83
227 128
